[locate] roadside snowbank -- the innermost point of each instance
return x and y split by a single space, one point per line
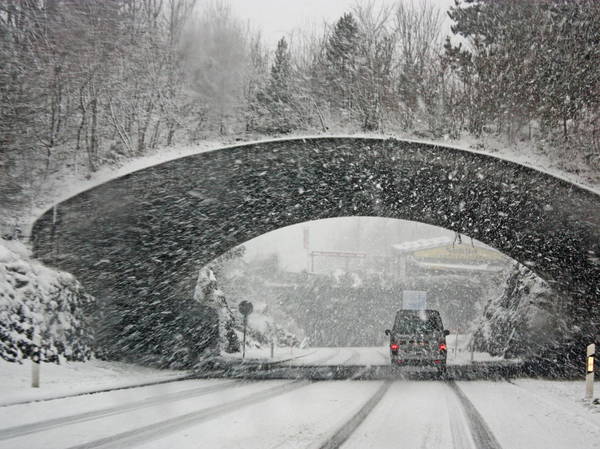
564 393
536 414
72 378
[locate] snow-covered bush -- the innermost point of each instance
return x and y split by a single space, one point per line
40 309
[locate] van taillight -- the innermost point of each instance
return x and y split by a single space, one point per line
394 347
443 346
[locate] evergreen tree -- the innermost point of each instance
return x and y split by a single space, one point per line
280 85
341 62
528 60
277 109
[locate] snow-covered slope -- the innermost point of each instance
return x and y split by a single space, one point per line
75 378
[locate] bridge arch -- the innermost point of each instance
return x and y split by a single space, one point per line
133 236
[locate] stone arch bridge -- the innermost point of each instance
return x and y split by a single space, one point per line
143 236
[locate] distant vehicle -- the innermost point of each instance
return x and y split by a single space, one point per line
418 338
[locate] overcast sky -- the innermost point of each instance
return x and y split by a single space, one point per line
361 234
277 18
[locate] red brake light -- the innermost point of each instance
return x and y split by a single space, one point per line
394 347
443 346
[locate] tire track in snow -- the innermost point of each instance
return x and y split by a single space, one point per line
480 432
141 435
459 427
26 429
339 436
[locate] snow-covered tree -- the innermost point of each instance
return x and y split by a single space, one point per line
218 330
528 61
276 104
340 63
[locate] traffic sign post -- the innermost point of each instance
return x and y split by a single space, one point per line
589 369
245 308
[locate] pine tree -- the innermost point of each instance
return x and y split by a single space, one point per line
528 60
341 62
277 109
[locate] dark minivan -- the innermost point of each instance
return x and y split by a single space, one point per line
418 338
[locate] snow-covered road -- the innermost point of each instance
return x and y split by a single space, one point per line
299 414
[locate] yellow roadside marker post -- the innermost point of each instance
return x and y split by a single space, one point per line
589 368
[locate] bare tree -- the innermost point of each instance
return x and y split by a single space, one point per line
417 26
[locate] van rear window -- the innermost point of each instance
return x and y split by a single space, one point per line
418 322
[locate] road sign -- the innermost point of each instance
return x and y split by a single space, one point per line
245 308
414 300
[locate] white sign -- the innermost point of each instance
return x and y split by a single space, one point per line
414 300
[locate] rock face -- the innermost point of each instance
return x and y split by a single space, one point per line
524 319
136 239
41 310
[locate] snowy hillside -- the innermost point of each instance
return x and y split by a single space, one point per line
36 301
